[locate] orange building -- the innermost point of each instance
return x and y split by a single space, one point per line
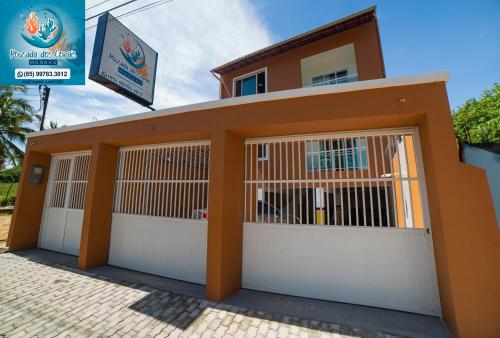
313 175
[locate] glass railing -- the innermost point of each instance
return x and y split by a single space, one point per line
343 79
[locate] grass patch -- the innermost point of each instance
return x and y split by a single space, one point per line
4 187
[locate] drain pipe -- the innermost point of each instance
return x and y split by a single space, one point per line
222 83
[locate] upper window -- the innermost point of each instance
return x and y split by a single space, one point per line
332 78
336 155
250 84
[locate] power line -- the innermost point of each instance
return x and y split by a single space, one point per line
98 4
138 10
126 3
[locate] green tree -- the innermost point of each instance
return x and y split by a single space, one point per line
478 120
16 117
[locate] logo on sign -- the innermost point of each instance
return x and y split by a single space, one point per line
133 53
42 28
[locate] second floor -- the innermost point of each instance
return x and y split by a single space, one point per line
345 50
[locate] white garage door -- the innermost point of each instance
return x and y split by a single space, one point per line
63 211
160 210
340 217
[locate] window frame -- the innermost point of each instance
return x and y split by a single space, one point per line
266 151
335 154
252 73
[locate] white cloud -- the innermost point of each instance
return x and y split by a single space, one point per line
191 37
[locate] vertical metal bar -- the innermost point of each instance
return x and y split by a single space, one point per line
341 174
133 175
392 179
300 179
268 178
170 174
410 208
370 180
385 182
274 178
294 216
401 180
326 153
176 178
281 185
378 181
246 187
189 180
313 151
332 154
346 159
311 155
355 168
287 180
208 172
362 169
251 182
198 186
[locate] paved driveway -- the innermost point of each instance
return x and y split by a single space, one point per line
46 300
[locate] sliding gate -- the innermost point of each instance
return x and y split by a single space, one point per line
160 210
340 217
64 201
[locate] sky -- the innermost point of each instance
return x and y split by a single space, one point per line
194 36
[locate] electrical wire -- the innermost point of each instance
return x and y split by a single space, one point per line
98 4
138 10
123 4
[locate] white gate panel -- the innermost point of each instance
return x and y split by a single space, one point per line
389 268
168 247
52 230
64 201
160 210
342 217
73 232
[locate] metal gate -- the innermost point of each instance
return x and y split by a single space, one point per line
161 209
340 217
64 201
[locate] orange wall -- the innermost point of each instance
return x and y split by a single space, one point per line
27 217
465 235
284 70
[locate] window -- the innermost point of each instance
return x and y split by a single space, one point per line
332 78
263 151
250 84
336 155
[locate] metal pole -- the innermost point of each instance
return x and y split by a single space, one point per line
45 98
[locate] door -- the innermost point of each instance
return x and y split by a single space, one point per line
340 217
63 211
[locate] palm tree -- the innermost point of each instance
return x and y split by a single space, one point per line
16 116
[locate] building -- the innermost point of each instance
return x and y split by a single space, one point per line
487 157
313 175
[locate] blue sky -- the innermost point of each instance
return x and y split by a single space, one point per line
462 37
193 36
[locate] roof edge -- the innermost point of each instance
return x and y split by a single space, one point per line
312 31
438 76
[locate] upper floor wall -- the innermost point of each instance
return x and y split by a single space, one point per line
348 50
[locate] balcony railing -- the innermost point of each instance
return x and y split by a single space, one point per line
343 79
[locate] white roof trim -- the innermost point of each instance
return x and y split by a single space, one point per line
440 76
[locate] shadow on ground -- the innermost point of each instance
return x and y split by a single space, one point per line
181 304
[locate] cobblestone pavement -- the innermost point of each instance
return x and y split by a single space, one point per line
43 300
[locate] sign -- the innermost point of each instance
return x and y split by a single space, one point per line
123 62
42 42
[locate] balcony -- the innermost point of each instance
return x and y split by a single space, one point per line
333 81
330 67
